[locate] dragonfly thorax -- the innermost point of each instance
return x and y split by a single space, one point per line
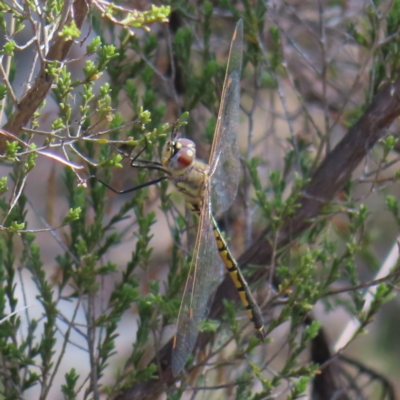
178 156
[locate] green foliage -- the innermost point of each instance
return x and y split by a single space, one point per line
72 215
12 150
3 91
3 185
15 226
299 388
70 32
388 145
8 48
68 389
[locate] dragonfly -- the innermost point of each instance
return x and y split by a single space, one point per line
207 189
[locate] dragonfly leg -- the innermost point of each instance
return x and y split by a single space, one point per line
133 189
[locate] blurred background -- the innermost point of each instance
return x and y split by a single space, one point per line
115 271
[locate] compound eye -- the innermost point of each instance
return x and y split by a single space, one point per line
184 154
184 158
179 155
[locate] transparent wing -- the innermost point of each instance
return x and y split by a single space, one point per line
224 158
203 279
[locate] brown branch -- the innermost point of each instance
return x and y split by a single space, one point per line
38 92
328 180
326 384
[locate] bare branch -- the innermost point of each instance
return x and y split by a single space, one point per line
37 93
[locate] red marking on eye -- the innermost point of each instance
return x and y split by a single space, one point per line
185 158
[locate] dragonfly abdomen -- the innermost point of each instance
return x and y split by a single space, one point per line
240 283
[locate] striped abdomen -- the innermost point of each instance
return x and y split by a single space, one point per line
239 281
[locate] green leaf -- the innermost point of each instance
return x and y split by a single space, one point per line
73 215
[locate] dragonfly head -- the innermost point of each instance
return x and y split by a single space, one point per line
178 155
